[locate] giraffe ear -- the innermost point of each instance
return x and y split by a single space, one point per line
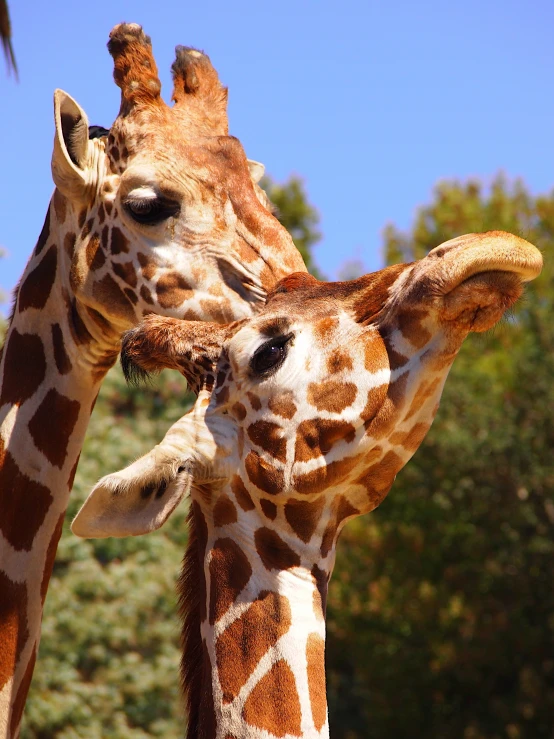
141 497
257 170
71 146
136 500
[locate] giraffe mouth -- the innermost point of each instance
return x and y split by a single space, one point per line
480 301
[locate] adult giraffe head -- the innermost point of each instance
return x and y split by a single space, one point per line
305 414
160 214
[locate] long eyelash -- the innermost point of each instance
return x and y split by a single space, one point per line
144 204
279 341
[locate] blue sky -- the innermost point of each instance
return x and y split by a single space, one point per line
371 102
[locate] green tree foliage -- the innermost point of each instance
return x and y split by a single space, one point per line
441 616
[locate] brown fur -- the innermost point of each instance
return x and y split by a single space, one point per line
192 608
273 551
273 704
37 286
24 367
247 639
315 658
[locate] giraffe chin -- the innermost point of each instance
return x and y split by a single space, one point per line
481 300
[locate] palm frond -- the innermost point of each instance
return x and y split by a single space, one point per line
6 37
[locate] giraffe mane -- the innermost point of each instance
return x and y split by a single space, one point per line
190 603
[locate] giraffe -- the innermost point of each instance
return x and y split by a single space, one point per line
305 413
160 214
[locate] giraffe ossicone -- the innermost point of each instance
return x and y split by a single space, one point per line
305 414
160 214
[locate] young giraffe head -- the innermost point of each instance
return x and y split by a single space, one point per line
305 415
161 213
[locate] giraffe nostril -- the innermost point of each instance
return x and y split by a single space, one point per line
161 489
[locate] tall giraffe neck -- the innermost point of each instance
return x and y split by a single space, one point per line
50 373
256 603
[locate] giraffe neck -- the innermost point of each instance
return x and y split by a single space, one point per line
51 367
254 625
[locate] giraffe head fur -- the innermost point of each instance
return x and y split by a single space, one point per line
333 386
163 213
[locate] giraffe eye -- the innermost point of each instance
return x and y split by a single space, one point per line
151 211
270 356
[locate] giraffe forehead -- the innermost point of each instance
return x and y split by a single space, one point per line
147 179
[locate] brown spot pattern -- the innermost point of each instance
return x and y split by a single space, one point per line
51 556
331 396
254 401
23 504
110 295
146 295
411 326
273 551
315 657
424 392
147 266
375 400
325 327
131 295
94 254
375 355
13 624
267 436
273 704
304 516
411 439
224 511
269 508
60 206
241 494
230 571
63 363
239 411
69 244
21 697
315 437
126 272
52 425
323 477
320 595
379 478
44 234
262 474
342 509
37 286
338 360
282 405
119 243
24 367
172 290
247 639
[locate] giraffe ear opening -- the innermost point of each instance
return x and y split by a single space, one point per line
134 501
71 146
